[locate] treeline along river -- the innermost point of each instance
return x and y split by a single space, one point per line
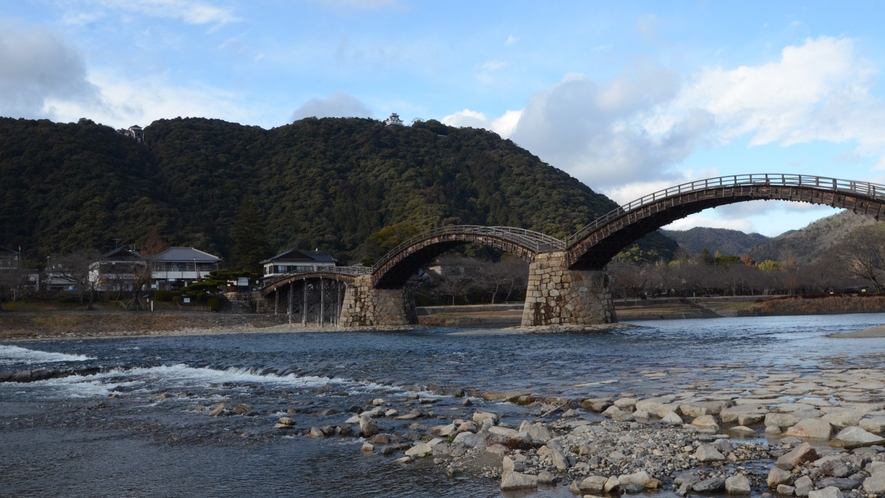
135 421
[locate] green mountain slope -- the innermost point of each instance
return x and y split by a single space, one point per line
317 183
727 242
808 243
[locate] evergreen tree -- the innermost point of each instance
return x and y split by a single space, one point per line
249 233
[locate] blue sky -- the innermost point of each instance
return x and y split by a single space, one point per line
628 99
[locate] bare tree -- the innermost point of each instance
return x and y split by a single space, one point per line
506 275
75 268
863 255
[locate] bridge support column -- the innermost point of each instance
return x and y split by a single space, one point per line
558 296
365 305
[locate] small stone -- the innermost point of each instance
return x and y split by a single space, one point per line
242 409
217 410
367 446
672 419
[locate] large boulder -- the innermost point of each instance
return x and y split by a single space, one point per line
539 432
368 427
875 484
700 408
744 414
799 455
873 424
640 478
593 484
737 485
708 453
855 437
777 476
710 485
511 481
658 407
843 417
811 428
829 492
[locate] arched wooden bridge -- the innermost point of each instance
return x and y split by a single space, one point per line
593 246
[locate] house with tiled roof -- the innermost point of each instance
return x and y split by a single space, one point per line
178 267
295 261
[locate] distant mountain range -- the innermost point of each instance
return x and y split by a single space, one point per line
727 242
805 244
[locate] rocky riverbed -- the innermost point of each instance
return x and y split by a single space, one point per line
815 435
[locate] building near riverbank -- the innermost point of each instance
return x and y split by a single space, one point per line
179 267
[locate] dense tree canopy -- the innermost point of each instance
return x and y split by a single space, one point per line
325 184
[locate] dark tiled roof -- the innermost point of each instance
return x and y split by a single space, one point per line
296 256
186 255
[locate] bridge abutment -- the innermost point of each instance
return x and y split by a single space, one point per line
558 296
365 305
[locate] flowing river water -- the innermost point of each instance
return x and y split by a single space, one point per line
134 421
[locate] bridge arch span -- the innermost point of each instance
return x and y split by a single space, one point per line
343 274
594 246
394 269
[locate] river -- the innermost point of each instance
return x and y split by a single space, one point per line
140 425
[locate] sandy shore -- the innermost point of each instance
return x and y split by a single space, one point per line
870 333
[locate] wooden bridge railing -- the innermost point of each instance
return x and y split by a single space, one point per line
870 190
536 241
354 271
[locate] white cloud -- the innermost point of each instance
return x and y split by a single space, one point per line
37 67
339 104
641 125
80 12
150 98
812 92
511 40
494 65
346 5
503 126
600 133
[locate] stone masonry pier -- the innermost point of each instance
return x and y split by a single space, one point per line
366 306
558 296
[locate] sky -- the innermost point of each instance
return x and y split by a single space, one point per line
628 98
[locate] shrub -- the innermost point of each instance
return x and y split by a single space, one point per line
214 304
164 295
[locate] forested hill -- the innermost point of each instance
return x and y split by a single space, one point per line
317 183
727 242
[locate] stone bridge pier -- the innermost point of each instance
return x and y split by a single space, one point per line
558 296
365 305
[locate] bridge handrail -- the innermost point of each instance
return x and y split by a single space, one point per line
529 238
873 190
355 271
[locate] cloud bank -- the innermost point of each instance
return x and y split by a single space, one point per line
337 105
635 130
38 66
